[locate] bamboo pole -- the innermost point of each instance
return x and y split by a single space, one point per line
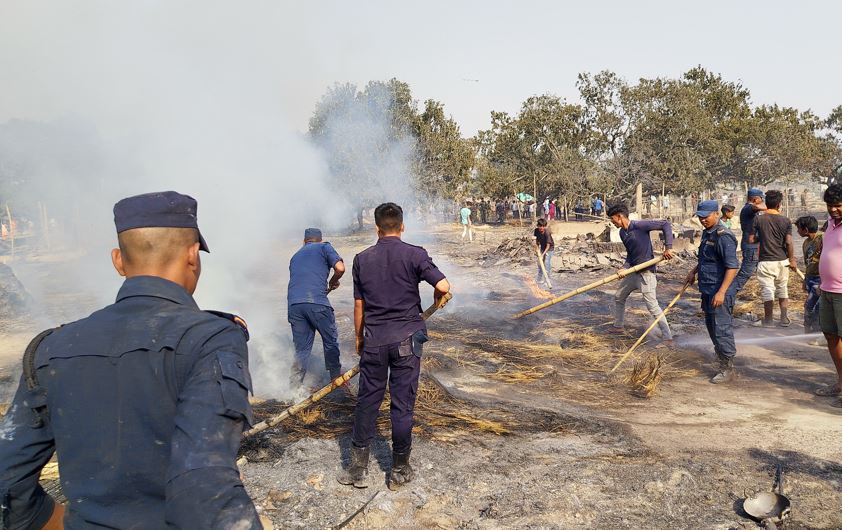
650 328
330 387
622 274
543 268
800 274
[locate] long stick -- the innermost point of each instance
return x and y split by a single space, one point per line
800 274
543 268
650 328
623 273
330 387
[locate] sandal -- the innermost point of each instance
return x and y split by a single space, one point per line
837 404
828 390
785 322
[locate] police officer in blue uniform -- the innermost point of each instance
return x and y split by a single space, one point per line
717 268
309 310
144 401
390 334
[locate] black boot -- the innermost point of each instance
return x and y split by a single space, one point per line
401 470
296 375
726 371
357 472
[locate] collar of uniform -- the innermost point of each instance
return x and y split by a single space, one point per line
714 227
389 239
155 287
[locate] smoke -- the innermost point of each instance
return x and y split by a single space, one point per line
132 99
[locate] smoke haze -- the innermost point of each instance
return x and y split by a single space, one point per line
104 100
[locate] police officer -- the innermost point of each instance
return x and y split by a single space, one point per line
144 401
717 268
390 334
309 310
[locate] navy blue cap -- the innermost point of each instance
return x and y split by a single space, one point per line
756 192
312 233
161 209
706 208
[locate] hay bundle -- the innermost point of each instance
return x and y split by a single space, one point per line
646 375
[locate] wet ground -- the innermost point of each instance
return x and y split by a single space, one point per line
543 436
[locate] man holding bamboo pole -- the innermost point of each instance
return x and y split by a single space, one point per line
638 243
390 336
717 269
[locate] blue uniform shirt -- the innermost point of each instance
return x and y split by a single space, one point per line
146 401
717 252
638 243
386 278
308 272
747 216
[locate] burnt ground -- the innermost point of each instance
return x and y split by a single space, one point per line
521 426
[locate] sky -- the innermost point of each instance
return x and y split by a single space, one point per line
113 63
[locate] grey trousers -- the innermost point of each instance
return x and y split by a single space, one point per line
647 284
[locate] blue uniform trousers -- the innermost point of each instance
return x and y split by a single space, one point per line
719 322
399 364
748 267
305 320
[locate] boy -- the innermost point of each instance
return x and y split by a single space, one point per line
544 243
808 228
727 215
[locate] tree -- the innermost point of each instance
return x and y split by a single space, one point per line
445 159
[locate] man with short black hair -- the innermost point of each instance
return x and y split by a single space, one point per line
309 310
776 256
638 243
144 401
390 336
545 245
830 304
749 248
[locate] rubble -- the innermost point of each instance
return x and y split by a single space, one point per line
13 296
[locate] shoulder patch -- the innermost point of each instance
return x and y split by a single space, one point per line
233 318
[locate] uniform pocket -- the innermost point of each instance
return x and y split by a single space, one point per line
235 383
405 347
418 339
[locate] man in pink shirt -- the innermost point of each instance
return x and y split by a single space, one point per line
830 304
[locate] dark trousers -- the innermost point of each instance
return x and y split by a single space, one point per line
748 266
305 320
719 322
811 304
400 365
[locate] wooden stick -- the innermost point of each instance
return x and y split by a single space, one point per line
650 328
543 268
800 274
622 274
330 387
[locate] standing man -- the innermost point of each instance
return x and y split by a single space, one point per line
638 243
144 401
830 304
598 206
749 248
544 243
717 269
308 307
500 210
776 255
483 211
465 217
390 337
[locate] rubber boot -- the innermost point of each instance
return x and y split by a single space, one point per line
357 472
401 470
726 371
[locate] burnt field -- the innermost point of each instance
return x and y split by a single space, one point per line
520 425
